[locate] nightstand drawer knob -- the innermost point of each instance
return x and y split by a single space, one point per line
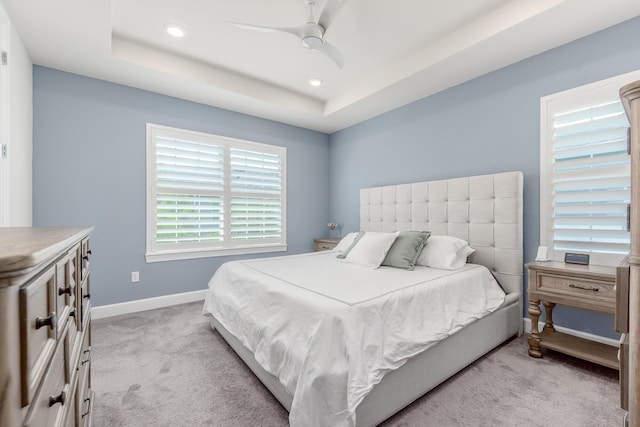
586 288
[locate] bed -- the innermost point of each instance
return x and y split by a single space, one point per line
327 371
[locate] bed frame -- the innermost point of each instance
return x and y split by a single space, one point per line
486 211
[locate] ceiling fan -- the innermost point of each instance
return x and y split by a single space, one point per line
312 33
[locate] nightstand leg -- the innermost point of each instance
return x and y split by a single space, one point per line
548 308
534 336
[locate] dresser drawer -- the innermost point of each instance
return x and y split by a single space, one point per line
85 255
49 407
71 416
38 330
85 303
86 416
65 290
84 365
85 395
73 345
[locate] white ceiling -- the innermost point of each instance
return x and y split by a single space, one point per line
395 51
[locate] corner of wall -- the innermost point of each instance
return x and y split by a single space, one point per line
16 122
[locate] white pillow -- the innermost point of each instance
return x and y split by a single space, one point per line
371 249
445 253
345 242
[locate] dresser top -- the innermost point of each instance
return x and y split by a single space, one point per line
22 248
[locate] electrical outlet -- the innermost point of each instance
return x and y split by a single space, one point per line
135 276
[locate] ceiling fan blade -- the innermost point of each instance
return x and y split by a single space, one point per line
330 11
332 52
296 31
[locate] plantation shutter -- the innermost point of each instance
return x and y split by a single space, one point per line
189 191
591 179
256 185
209 195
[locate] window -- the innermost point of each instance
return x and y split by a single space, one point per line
585 172
209 195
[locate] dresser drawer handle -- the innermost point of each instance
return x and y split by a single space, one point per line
87 402
47 321
68 290
88 353
58 399
586 288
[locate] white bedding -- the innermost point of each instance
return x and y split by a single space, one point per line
330 330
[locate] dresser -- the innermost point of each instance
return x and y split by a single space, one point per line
45 327
587 287
630 349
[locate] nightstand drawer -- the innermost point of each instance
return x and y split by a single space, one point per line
580 286
585 288
324 244
324 247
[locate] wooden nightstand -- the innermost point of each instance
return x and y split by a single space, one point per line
324 244
588 287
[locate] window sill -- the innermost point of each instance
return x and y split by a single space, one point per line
192 254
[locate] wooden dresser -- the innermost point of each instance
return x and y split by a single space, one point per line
630 372
45 327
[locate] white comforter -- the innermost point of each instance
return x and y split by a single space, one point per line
330 331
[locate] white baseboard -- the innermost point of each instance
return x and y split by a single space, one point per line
585 335
111 310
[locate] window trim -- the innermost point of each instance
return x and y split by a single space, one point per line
568 97
153 254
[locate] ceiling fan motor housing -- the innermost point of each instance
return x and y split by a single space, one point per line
312 36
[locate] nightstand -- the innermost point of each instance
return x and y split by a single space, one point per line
324 244
587 287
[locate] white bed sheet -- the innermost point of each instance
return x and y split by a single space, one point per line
330 330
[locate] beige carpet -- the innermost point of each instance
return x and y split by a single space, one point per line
166 367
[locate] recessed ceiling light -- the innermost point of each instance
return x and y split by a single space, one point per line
315 82
175 30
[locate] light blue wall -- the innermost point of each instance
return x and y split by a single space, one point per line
490 124
89 157
89 168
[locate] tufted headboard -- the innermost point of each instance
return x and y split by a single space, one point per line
484 210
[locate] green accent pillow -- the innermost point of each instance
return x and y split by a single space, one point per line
355 241
406 249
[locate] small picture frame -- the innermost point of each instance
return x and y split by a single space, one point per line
573 258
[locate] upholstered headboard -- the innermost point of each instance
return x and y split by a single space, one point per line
484 210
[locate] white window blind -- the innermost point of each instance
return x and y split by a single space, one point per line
209 195
189 191
591 185
585 172
256 192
